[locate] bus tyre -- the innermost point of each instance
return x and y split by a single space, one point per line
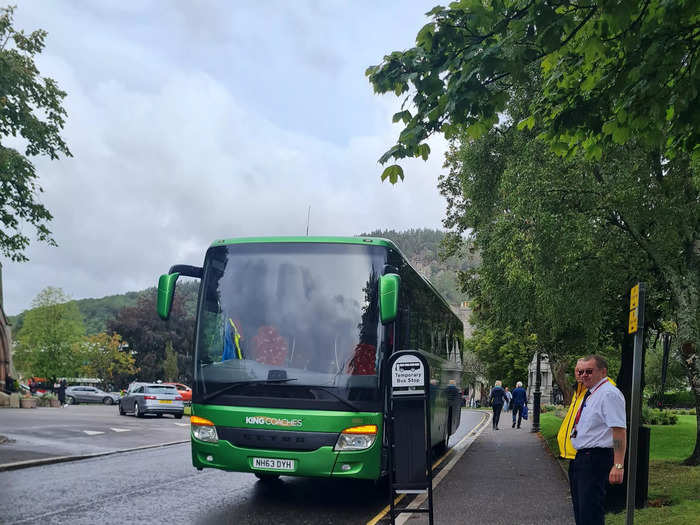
178 416
267 478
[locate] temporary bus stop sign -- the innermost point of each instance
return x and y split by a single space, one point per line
408 415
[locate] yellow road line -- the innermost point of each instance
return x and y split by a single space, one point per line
384 511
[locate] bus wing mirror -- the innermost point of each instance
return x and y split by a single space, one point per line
389 297
166 291
166 286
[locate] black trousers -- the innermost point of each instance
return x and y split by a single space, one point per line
518 410
496 413
588 478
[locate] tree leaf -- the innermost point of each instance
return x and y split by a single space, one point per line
528 123
423 151
393 173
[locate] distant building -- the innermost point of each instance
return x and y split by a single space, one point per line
464 312
5 343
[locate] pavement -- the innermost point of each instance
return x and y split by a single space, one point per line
505 476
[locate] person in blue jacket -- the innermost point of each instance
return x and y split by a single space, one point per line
518 402
496 398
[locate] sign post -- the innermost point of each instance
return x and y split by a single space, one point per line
408 419
635 326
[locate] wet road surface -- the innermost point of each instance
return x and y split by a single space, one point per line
161 486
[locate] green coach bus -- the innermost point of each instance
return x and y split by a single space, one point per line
292 339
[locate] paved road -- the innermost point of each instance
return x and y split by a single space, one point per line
160 485
83 429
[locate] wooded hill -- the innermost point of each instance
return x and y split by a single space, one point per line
421 246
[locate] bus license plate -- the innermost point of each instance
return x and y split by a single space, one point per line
274 464
165 401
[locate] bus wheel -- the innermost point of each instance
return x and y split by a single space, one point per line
267 478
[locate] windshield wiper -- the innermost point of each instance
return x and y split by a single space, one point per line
231 386
347 403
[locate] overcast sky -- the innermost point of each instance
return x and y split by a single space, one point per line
191 121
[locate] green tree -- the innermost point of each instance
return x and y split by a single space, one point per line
170 369
505 355
30 107
614 82
148 335
562 241
48 344
106 357
612 71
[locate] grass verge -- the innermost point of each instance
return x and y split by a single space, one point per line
674 489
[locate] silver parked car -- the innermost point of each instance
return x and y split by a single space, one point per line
151 398
89 394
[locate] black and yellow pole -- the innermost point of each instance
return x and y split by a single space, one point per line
636 327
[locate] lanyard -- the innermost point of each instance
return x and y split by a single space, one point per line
588 394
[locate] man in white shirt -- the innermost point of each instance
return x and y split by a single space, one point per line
599 437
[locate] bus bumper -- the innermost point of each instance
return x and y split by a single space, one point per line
322 462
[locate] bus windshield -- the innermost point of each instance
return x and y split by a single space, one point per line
290 325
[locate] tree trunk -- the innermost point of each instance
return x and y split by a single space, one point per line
559 373
687 296
688 351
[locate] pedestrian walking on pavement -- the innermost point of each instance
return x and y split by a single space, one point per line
496 399
507 402
599 436
519 400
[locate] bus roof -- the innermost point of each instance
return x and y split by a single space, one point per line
337 240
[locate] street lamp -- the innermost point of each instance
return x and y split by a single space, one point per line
537 396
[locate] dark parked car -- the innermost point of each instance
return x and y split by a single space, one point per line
151 398
89 394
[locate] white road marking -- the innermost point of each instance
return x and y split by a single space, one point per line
182 424
121 429
92 432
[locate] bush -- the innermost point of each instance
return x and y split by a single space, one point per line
684 399
652 416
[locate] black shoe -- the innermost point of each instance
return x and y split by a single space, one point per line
518 426
513 424
497 428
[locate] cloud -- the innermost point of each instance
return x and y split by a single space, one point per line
168 156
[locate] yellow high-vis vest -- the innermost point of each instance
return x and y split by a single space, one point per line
566 449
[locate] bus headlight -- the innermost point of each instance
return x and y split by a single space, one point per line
356 438
203 429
